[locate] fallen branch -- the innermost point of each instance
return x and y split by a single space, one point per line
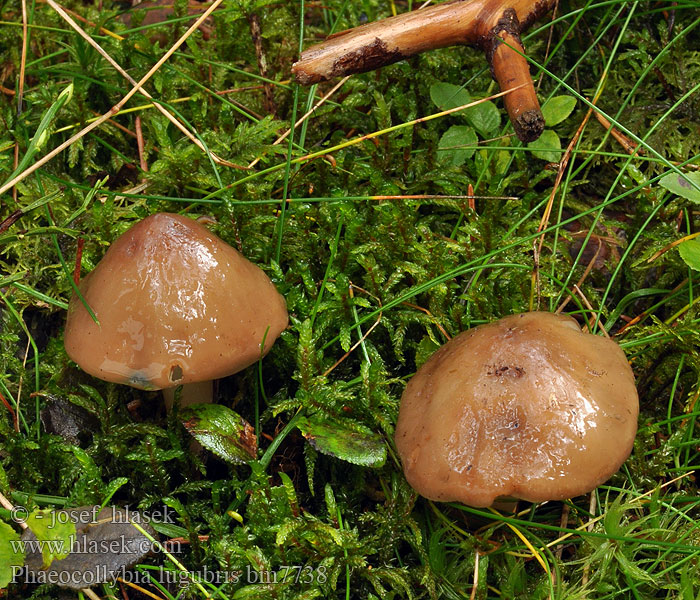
494 26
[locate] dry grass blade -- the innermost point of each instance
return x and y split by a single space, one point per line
256 34
284 136
644 314
588 525
586 272
591 510
623 140
12 411
537 245
15 162
82 19
592 321
364 336
117 107
565 159
23 63
563 524
475 584
21 379
61 11
672 245
140 144
7 505
353 347
540 79
375 134
560 174
138 588
448 337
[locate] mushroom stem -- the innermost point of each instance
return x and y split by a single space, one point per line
492 25
199 392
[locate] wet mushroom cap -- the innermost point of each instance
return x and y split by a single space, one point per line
528 407
175 305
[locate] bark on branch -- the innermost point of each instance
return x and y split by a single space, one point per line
494 26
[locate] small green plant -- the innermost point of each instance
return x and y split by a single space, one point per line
556 110
459 142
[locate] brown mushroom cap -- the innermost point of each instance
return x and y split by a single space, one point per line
528 407
176 305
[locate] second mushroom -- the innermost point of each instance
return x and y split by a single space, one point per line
527 407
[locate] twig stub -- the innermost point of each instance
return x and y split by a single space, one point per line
505 55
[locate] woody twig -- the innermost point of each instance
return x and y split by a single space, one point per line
494 26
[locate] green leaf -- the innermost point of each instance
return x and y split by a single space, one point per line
690 253
345 336
632 571
447 95
683 185
331 504
484 117
4 481
11 554
357 445
54 532
222 431
547 147
426 348
557 109
42 131
169 530
112 488
450 148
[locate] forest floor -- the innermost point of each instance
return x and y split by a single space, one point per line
388 234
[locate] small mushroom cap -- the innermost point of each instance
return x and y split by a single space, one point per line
528 407
176 305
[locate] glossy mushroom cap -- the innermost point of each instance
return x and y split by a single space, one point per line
176 305
528 407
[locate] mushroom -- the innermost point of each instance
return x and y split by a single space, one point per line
527 407
175 305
